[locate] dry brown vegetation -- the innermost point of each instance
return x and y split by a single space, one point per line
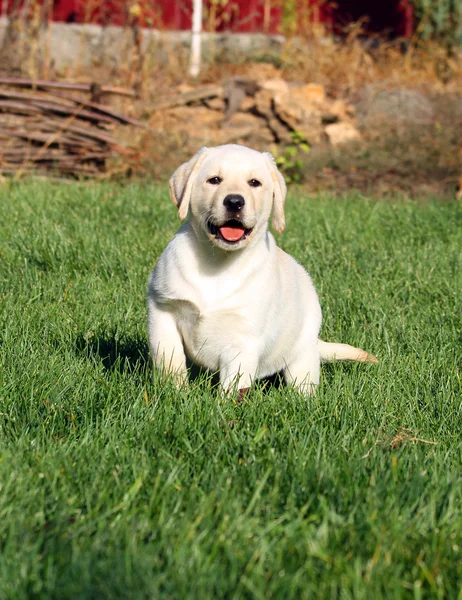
396 153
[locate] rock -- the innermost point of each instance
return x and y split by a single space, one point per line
261 114
264 107
183 88
281 133
299 113
250 86
341 133
236 89
248 104
244 120
336 111
312 94
289 109
275 86
246 126
263 103
234 100
394 106
216 104
184 116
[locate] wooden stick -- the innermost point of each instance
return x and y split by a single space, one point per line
100 109
37 137
62 85
50 155
210 91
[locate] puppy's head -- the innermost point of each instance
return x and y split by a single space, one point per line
228 193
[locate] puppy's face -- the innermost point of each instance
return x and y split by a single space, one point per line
232 197
230 191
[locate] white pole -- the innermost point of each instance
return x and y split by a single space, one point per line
195 62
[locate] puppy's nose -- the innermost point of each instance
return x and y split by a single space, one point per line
234 202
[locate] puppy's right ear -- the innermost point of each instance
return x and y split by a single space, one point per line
182 181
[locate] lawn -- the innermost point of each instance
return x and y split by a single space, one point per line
113 484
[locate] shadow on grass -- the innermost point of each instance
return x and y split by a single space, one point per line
196 373
133 355
115 354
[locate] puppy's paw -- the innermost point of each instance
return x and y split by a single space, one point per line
364 356
243 393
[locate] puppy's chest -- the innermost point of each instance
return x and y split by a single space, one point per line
211 318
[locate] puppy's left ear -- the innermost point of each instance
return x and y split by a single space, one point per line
182 180
279 194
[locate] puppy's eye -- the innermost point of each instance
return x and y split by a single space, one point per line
214 180
254 183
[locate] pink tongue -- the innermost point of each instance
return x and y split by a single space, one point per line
232 234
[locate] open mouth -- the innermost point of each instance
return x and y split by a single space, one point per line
231 231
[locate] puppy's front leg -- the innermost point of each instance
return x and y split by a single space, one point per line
166 343
237 370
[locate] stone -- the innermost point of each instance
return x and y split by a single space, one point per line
245 126
394 106
263 103
337 110
234 97
264 107
275 86
191 117
216 104
74 45
310 94
341 133
281 133
300 115
184 88
248 104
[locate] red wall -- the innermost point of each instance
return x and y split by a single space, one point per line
394 17
238 15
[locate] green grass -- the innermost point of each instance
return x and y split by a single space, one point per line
115 485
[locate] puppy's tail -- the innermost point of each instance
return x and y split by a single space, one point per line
329 352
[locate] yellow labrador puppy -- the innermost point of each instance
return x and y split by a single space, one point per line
223 294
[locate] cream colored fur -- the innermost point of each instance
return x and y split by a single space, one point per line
246 309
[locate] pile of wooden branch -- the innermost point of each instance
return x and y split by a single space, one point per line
45 128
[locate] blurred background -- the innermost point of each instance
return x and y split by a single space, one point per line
346 94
